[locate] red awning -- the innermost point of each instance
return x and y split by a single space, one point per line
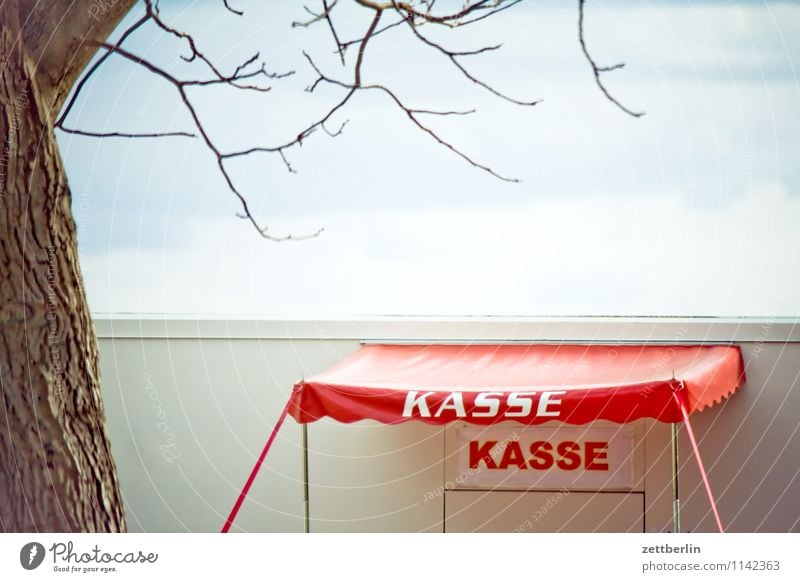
530 384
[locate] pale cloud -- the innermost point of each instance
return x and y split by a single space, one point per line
641 256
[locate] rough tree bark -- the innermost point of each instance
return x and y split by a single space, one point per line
57 473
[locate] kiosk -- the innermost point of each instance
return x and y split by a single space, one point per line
564 385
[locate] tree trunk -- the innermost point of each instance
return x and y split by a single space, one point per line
56 469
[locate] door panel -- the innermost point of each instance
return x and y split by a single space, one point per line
543 511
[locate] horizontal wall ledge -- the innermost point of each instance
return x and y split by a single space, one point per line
459 329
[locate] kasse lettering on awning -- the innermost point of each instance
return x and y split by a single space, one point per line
484 404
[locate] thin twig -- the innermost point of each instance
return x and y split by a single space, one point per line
500 8
339 48
79 87
349 43
452 20
453 57
180 86
153 13
597 70
411 113
362 47
228 6
122 134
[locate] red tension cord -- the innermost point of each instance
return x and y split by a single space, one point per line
681 402
254 472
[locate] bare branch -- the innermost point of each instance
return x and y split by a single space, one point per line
286 161
336 133
228 6
62 118
239 75
453 56
415 15
127 135
313 20
362 47
339 47
485 49
443 113
310 129
500 7
597 70
59 123
140 61
349 43
324 15
412 115
180 86
452 20
196 54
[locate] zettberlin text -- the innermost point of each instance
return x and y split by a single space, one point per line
667 549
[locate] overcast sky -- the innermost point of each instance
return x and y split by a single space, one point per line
693 209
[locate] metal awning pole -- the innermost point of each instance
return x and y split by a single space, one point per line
252 477
306 516
676 501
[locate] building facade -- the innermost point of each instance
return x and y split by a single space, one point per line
190 403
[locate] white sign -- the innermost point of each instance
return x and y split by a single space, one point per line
593 458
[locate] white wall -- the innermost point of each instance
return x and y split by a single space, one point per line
191 403
751 448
